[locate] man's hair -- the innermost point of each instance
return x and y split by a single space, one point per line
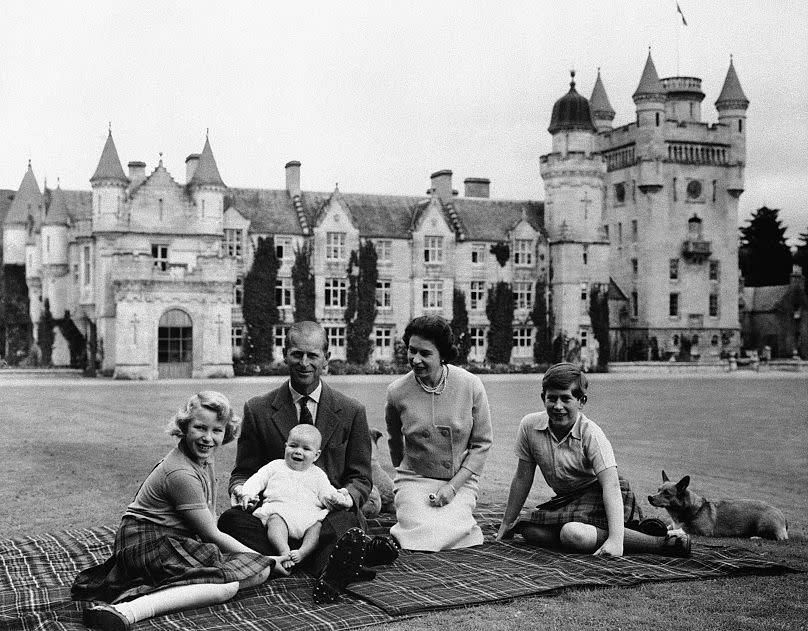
303 328
565 375
305 430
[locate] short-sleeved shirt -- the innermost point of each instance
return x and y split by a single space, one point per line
176 484
569 463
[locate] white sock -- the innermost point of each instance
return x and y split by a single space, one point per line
177 598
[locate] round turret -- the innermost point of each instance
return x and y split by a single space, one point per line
571 112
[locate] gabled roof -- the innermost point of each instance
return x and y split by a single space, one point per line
374 215
56 214
732 95
109 166
6 196
77 204
493 219
615 293
26 202
206 172
650 86
765 299
599 103
269 211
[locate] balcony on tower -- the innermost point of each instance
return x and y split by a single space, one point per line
695 248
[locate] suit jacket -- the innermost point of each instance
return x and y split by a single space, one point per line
342 421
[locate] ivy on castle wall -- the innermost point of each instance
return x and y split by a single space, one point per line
303 284
502 251
259 306
460 326
542 351
76 342
360 313
14 314
45 335
499 309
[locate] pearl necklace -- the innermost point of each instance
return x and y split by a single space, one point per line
437 388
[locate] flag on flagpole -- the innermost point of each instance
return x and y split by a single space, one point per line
679 11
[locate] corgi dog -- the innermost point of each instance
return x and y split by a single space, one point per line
720 518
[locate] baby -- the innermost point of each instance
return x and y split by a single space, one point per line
293 494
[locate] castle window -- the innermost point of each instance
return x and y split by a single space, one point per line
283 249
433 250
335 246
433 294
336 292
477 253
635 304
203 207
585 254
159 254
606 230
584 299
87 267
477 337
584 337
233 240
279 335
656 119
384 340
522 337
237 339
384 295
523 252
713 305
635 267
634 231
283 292
238 291
477 295
384 250
620 233
620 192
740 125
160 208
673 305
523 295
674 189
715 269
714 189
336 336
673 269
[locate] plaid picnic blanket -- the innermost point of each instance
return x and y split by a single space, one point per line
36 573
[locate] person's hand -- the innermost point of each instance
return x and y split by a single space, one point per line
505 531
610 548
280 567
338 500
443 496
235 496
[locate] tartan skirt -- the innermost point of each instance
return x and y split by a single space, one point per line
584 505
147 557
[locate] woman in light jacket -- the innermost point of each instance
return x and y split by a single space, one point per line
439 429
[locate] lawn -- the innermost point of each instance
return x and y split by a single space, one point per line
74 453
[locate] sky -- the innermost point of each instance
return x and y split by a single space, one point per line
375 96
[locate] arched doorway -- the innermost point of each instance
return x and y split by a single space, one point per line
174 345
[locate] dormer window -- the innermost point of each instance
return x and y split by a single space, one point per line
433 250
233 241
335 246
523 252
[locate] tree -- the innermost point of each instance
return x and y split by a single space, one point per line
360 314
260 307
763 257
45 336
801 257
542 347
599 317
303 284
460 326
16 318
499 309
75 341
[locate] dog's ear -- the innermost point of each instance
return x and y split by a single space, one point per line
665 476
682 484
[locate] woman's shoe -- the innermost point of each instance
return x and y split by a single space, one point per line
106 618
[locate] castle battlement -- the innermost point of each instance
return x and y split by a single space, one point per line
131 266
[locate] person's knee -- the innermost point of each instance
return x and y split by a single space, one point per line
230 520
577 536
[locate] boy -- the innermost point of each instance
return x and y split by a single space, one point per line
593 503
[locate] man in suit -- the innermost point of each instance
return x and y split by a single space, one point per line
343 548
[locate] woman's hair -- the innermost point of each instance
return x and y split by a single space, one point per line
208 400
565 375
436 330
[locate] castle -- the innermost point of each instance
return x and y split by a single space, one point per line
154 269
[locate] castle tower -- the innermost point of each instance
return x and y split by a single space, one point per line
109 186
53 240
649 98
207 190
602 111
24 214
731 105
574 185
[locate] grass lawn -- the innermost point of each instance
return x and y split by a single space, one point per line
74 453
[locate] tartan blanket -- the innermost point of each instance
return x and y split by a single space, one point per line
36 573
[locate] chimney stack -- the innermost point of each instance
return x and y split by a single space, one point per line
293 178
191 162
477 187
442 184
137 172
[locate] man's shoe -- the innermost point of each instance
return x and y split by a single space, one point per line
343 566
677 545
105 617
382 551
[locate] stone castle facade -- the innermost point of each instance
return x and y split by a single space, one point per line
154 268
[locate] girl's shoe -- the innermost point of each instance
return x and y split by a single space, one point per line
106 618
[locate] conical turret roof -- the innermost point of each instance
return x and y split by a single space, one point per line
206 172
732 95
109 166
57 211
650 85
26 202
571 111
599 102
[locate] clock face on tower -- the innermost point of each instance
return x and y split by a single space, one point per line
694 189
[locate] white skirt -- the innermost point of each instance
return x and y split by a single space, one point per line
298 518
421 526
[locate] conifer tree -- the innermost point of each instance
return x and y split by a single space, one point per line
259 306
45 336
499 309
16 318
360 313
801 257
599 317
460 327
303 284
542 346
763 257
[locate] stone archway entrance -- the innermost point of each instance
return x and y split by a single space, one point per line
174 345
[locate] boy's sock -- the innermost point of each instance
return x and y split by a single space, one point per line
176 598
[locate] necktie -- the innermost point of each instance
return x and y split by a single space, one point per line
305 414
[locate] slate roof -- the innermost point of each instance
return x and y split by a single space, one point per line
206 172
109 166
5 203
56 214
77 204
599 102
764 299
571 111
269 211
650 85
27 194
731 93
492 219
